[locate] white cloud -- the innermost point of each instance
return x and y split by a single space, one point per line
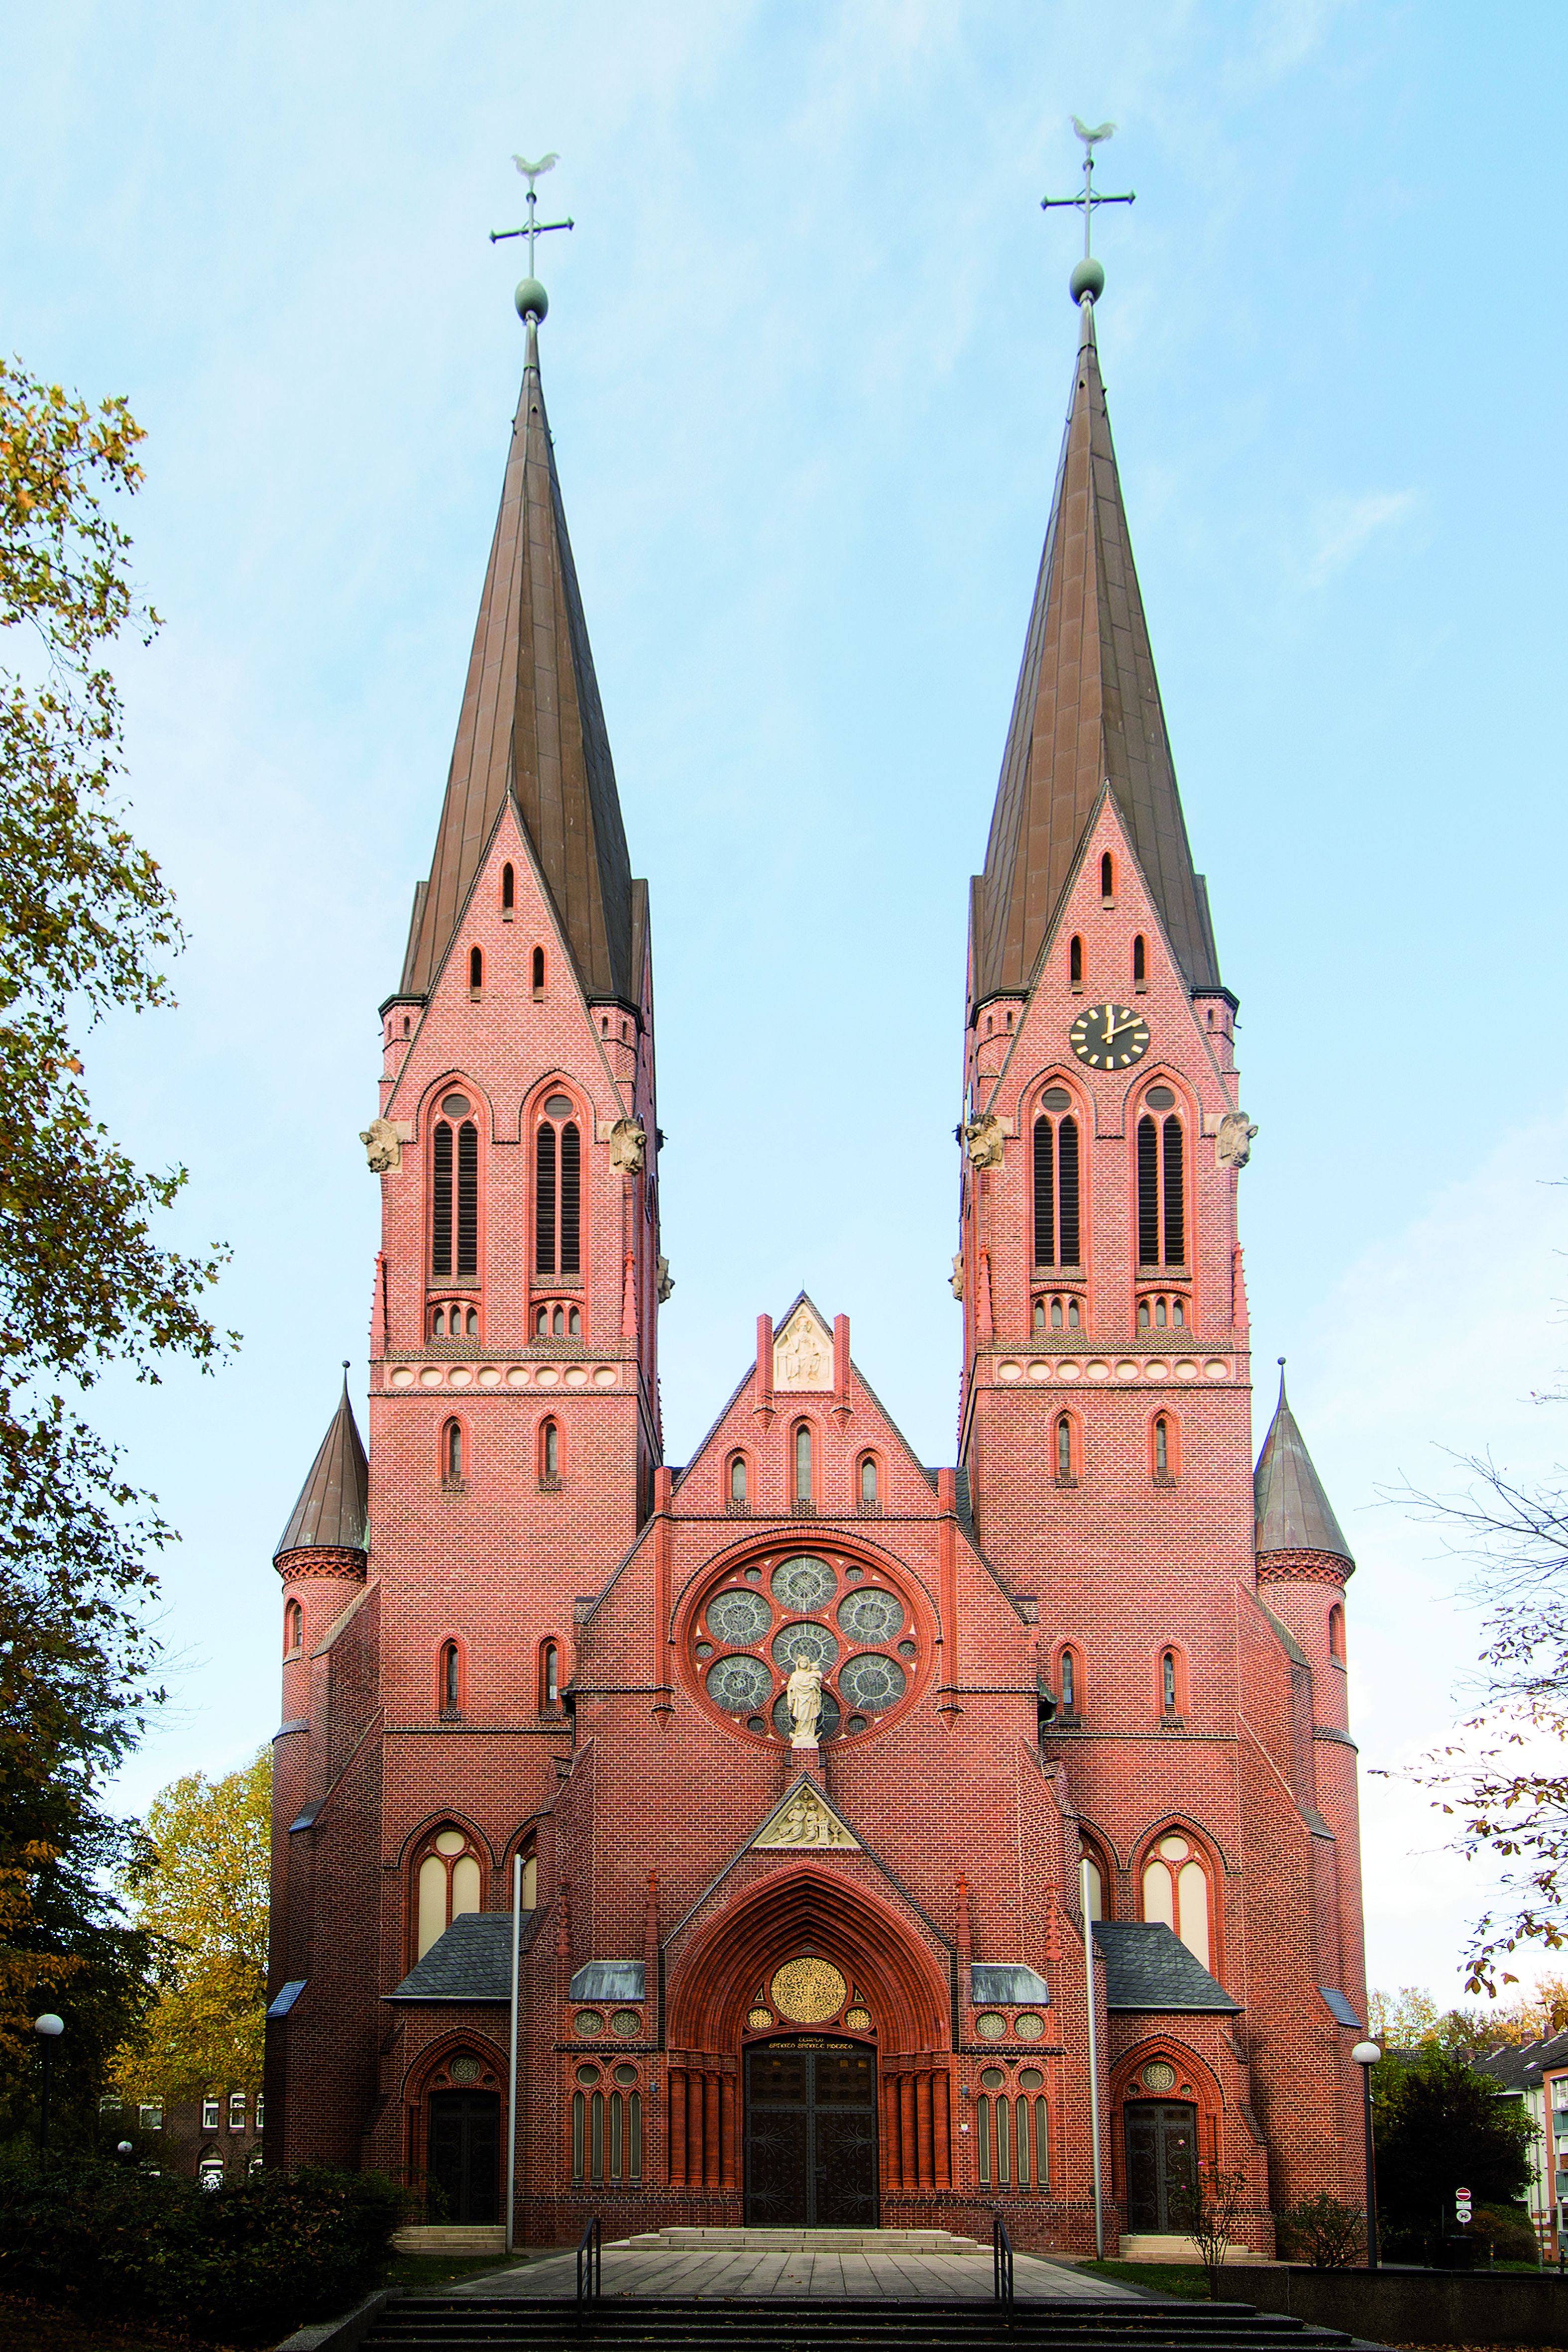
1343 526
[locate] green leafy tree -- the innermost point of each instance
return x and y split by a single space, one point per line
201 1890
86 924
1440 2125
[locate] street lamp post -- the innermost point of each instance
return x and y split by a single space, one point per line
48 2029
1366 2055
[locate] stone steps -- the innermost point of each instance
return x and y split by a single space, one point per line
695 2240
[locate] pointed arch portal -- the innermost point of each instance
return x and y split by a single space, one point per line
819 2117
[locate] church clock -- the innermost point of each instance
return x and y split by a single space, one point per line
1110 1037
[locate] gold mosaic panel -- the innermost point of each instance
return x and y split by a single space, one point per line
808 1991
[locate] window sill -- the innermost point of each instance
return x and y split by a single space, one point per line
1165 1273
1173 1723
1066 1481
455 1485
451 1715
550 1486
1162 1479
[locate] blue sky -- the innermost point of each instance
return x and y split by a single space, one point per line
807 363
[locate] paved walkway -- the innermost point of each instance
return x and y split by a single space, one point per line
721 2270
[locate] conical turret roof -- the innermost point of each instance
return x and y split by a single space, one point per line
334 1502
1087 717
1292 1510
532 728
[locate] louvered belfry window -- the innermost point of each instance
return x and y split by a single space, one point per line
1056 1186
558 1192
440 1206
454 1209
1162 1188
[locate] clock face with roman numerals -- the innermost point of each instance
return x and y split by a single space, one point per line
1110 1037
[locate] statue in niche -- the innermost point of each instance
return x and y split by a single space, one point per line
1233 1144
803 1356
804 1696
384 1152
628 1145
983 1140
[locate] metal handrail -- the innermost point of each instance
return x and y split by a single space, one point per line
589 2266
1002 2264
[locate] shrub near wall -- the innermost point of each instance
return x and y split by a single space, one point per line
248 2262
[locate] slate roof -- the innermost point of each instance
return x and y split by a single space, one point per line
1147 1967
1087 716
334 1502
1339 2008
1009 1983
609 1980
1521 2068
473 1960
1292 1511
532 729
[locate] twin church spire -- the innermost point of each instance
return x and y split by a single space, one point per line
532 730
1087 718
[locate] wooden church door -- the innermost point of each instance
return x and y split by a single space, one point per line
1162 2165
466 2153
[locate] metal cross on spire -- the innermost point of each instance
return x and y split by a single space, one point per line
531 297
1088 277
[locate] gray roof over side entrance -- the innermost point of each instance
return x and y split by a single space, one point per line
1147 1967
472 1961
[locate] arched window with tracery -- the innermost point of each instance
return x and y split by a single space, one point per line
557 1189
448 1882
1176 1886
1162 1181
527 1854
454 1192
293 1628
1057 1181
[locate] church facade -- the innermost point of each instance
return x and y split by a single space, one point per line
839 1794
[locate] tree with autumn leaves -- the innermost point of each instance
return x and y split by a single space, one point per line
200 1891
85 927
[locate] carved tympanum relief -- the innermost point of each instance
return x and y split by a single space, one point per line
803 1353
806 1819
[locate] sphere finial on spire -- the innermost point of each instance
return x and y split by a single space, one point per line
1087 282
532 301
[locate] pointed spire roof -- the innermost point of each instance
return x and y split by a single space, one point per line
1294 1512
334 1502
532 730
1087 717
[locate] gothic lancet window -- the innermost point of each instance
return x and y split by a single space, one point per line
1162 1182
558 1190
509 890
454 1206
448 1883
803 1463
1057 1181
1175 1889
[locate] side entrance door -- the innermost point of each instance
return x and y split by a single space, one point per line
1162 2165
810 2135
464 2154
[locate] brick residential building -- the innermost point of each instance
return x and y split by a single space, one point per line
762 1979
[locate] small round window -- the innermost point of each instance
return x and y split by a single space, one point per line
455 1106
558 1106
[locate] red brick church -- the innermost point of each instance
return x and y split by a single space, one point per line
798 1750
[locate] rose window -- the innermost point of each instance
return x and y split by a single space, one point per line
855 1624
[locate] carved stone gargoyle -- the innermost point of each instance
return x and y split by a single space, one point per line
1233 1144
667 1280
628 1147
984 1138
383 1150
956 1279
